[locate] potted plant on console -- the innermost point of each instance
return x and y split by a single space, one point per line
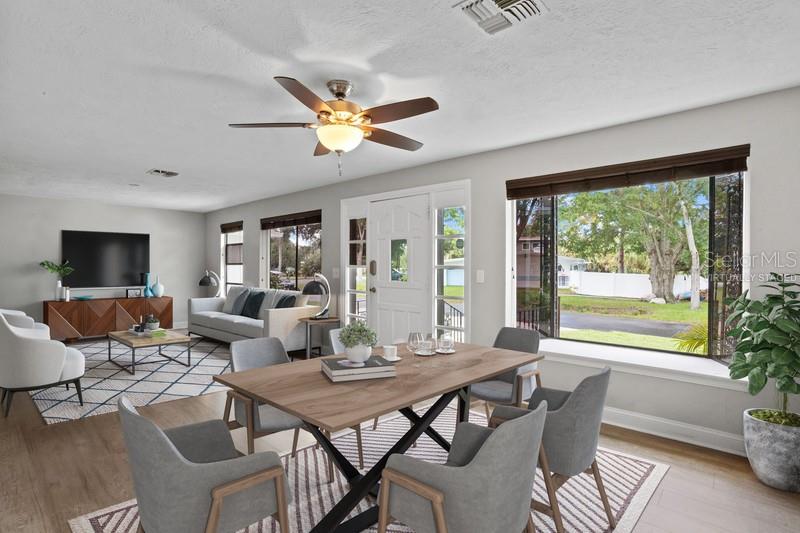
767 334
358 340
62 271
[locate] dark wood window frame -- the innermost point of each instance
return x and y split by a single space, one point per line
292 220
725 277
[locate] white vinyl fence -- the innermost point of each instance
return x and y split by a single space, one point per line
612 284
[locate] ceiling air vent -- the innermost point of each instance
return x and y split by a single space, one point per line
496 15
162 173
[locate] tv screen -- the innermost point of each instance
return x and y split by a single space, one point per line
105 259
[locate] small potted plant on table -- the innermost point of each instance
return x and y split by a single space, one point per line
152 323
767 334
358 340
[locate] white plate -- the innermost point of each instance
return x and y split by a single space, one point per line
445 352
396 359
427 353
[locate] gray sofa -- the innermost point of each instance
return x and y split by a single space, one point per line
207 318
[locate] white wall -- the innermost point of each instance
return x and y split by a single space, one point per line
770 123
623 285
30 231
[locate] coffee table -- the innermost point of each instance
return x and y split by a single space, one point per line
135 342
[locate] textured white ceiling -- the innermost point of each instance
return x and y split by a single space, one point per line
95 92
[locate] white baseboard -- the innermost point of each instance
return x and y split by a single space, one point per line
672 429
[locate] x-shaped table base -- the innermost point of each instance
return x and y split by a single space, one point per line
363 485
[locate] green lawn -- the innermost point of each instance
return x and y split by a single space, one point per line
621 337
677 312
454 291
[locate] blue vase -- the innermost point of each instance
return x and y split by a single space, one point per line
148 292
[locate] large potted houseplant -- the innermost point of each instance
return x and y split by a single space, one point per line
767 334
61 271
358 340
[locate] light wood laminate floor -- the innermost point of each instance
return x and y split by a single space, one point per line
49 474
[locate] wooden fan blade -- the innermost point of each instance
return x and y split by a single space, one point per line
389 138
321 150
271 125
398 110
304 94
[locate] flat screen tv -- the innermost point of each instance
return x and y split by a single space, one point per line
105 259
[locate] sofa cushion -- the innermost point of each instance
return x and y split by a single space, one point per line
285 301
238 325
273 296
235 300
252 307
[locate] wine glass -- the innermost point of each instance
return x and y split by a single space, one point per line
414 340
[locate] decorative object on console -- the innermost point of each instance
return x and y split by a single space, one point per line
320 285
66 293
767 336
358 340
148 292
133 293
211 279
62 271
157 288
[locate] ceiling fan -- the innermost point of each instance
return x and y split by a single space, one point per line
341 124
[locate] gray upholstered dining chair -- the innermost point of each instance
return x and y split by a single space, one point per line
569 441
452 497
192 478
515 386
263 419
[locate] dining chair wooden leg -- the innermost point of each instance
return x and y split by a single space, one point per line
328 458
360 446
603 496
529 528
488 412
375 424
294 441
283 506
226 414
251 439
383 506
550 485
140 529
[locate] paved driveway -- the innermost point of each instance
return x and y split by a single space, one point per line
641 326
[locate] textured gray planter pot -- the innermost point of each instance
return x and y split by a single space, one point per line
774 452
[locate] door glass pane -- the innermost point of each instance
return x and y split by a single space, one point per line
399 259
450 313
358 229
358 253
357 278
450 252
450 282
357 304
450 221
309 253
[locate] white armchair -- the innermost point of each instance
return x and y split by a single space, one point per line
21 320
31 361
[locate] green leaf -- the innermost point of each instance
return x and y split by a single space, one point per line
786 325
761 357
782 356
775 370
776 336
757 379
787 384
739 371
755 307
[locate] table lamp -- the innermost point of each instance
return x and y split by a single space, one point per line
320 285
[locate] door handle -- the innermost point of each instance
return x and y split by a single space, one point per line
373 267
373 289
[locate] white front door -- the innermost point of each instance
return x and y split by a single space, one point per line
399 267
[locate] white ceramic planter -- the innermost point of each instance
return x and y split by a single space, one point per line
772 450
358 354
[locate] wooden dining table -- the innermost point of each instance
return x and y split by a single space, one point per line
301 389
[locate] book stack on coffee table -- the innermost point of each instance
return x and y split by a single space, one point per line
340 369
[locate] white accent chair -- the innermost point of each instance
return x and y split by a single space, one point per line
29 360
21 320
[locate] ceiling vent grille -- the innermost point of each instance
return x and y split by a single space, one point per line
497 15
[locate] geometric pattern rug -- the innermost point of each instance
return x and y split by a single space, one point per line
629 481
156 379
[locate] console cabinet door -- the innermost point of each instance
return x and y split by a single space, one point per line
161 308
99 317
65 319
129 311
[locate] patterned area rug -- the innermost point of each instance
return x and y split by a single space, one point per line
629 481
156 379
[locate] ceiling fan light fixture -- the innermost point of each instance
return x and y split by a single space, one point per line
340 137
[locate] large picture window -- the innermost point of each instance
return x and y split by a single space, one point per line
231 254
641 254
295 248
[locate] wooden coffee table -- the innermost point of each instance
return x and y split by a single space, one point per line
135 342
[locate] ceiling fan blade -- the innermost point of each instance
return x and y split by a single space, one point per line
398 110
389 138
304 94
321 150
271 125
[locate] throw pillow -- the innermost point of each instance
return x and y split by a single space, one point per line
238 304
252 307
285 301
230 299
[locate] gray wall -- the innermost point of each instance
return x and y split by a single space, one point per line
31 232
770 123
